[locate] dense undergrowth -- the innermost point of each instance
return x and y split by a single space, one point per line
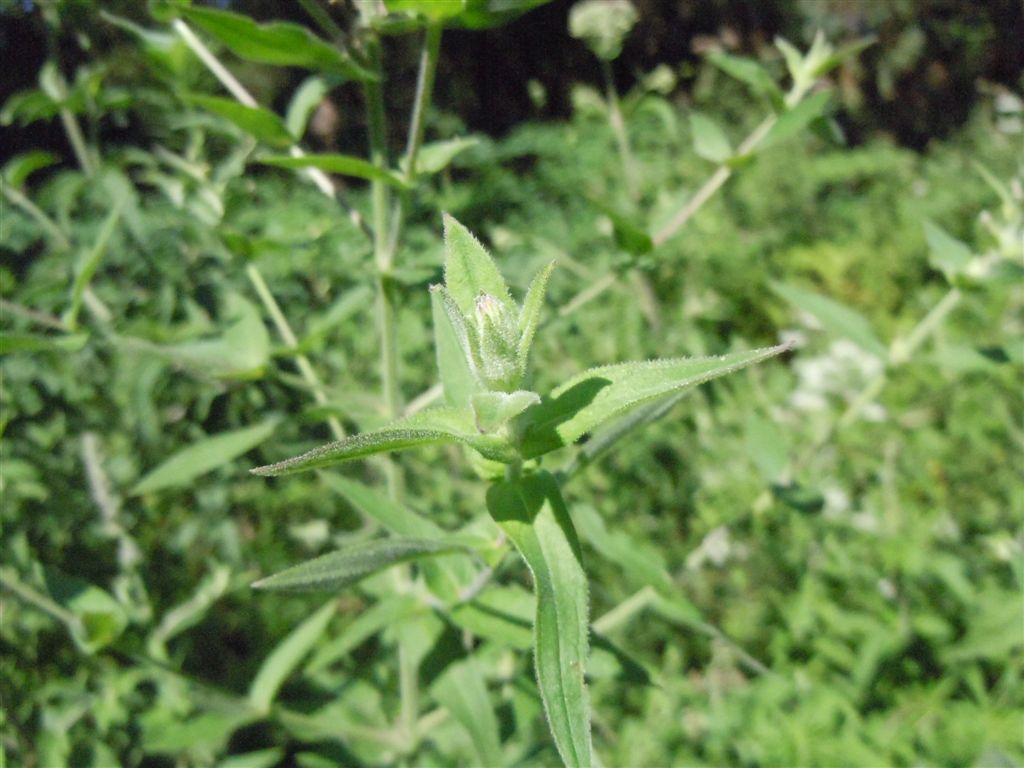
790 573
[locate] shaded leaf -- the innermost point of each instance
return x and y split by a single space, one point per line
343 165
531 512
87 265
495 409
12 342
438 155
461 690
594 396
20 167
843 53
339 569
261 124
747 71
285 658
793 121
629 235
203 456
836 318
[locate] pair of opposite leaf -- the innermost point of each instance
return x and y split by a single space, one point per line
483 340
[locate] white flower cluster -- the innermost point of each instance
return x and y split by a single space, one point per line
842 371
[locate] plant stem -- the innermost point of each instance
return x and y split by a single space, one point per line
77 140
51 227
722 174
34 315
417 124
242 96
288 335
39 600
618 125
387 325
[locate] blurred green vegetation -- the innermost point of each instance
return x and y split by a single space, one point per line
800 575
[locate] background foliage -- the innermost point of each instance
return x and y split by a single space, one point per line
799 565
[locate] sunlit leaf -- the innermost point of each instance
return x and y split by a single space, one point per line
531 512
529 315
281 42
432 427
13 342
306 99
462 690
588 399
452 349
469 269
261 124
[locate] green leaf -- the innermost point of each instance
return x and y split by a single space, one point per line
709 140
469 269
438 155
841 54
87 265
242 352
946 253
486 14
793 121
594 396
285 658
386 613
307 97
451 347
532 513
262 758
280 43
11 342
339 569
203 456
433 427
747 71
629 236
99 618
394 517
500 614
461 690
767 447
434 10
495 409
836 318
343 165
261 124
20 167
529 315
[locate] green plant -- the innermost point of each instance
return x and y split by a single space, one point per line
483 340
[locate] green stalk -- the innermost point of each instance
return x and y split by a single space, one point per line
387 325
284 328
618 125
51 227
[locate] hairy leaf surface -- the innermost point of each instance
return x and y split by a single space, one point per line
592 397
531 512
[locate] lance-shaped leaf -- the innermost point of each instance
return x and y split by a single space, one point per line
709 140
454 356
529 315
532 513
835 318
441 425
794 120
946 253
339 569
261 123
592 397
343 165
280 43
469 269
